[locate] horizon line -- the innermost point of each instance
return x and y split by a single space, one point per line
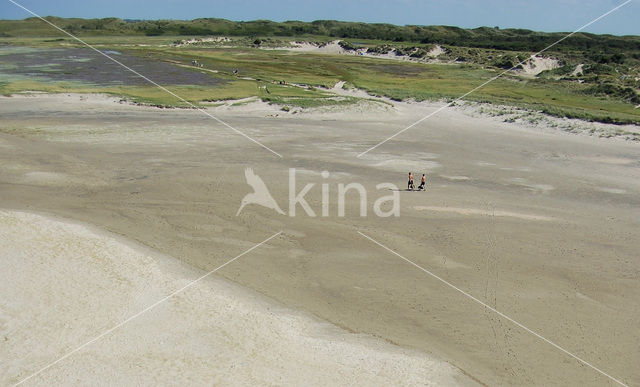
318 20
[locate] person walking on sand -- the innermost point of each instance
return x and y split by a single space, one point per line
423 181
410 185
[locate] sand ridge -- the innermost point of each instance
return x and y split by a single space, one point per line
478 211
84 281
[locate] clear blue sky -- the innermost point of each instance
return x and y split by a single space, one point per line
541 15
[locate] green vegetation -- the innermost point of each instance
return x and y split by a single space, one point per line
606 87
483 37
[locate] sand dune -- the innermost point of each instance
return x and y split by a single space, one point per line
65 283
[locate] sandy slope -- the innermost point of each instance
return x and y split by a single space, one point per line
536 65
530 68
64 283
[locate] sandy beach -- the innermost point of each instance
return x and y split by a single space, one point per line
69 282
541 224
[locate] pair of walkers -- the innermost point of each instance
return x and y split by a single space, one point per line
411 186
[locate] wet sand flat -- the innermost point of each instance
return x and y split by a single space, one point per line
90 67
536 223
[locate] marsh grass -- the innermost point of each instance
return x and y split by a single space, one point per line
260 73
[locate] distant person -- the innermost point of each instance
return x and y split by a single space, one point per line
423 181
410 185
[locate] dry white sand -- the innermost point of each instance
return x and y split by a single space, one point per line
531 67
334 48
63 284
481 212
536 65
